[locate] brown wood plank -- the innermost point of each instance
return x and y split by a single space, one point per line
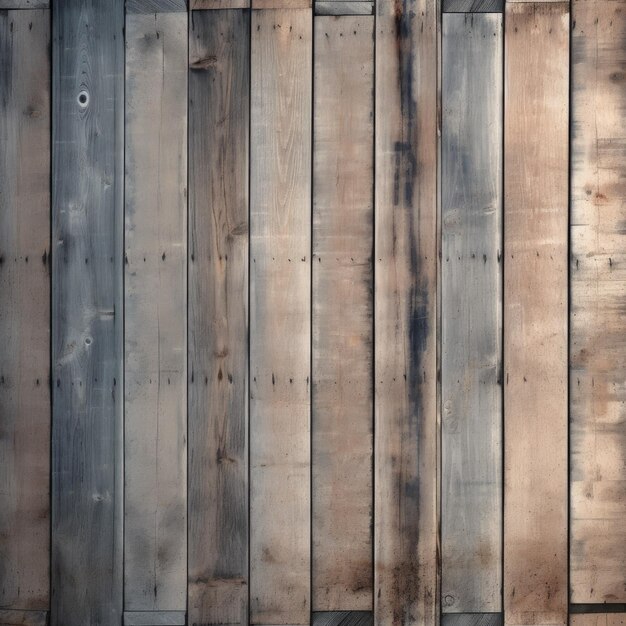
280 331
24 309
598 295
219 81
155 515
535 312
598 619
281 4
406 477
342 395
23 618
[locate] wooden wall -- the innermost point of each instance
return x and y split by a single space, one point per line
312 312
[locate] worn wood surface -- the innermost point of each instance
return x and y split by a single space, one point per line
342 395
598 619
535 313
156 6
342 618
87 312
473 6
23 618
220 4
405 568
219 82
24 309
472 619
471 277
281 4
24 4
280 330
155 513
154 618
349 7
598 296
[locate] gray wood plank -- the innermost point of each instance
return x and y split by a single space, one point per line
406 414
24 4
23 618
342 618
280 313
472 619
156 6
155 308
219 82
471 301
473 6
154 618
344 8
220 4
87 312
24 309
342 314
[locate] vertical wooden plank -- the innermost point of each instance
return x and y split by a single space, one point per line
405 578
155 552
87 312
535 312
598 294
24 309
280 328
471 517
219 82
342 395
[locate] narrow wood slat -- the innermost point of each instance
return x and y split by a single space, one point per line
280 331
155 515
344 8
24 309
471 352
342 618
24 4
154 618
598 295
87 312
281 4
535 313
156 6
220 4
473 6
219 81
472 619
23 618
598 619
342 400
406 477
613 607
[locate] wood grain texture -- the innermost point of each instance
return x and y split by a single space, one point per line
344 8
281 4
24 4
24 309
87 312
598 619
155 514
342 618
598 303
23 618
473 6
342 395
471 352
280 307
219 82
535 312
220 4
472 619
406 477
156 6
154 618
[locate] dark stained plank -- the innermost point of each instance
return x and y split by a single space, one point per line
342 618
156 6
535 312
280 315
87 312
154 618
219 80
24 309
598 297
613 607
473 6
406 477
343 359
472 619
344 8
155 307
23 618
471 310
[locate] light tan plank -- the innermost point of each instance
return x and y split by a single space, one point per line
155 535
24 309
535 313
406 477
598 297
280 309
598 619
342 400
281 4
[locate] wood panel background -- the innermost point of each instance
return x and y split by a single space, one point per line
312 312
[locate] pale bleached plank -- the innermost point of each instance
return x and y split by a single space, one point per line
87 312
219 82
535 312
281 4
598 296
24 309
471 352
155 514
406 477
280 310
343 229
598 619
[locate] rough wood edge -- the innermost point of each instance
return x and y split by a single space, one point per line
155 618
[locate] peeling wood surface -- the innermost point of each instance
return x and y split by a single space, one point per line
24 309
535 313
219 82
598 303
471 350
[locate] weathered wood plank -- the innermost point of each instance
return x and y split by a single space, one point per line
598 296
342 618
156 6
87 312
406 477
472 619
598 619
344 8
155 516
154 618
280 330
219 83
342 395
24 309
24 4
23 618
281 4
473 6
535 312
220 4
471 352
